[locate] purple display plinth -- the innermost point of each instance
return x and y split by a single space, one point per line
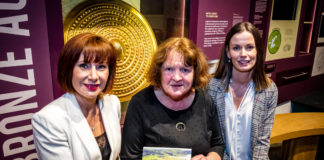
214 18
25 75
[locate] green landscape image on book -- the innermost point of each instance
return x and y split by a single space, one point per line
163 153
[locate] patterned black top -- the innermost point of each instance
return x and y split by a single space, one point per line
150 123
104 146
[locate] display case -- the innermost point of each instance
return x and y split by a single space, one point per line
321 30
306 26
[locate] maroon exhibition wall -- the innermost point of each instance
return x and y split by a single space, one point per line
208 31
55 39
211 19
26 79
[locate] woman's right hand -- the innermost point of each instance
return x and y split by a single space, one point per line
210 156
199 157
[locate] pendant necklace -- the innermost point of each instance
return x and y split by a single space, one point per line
93 127
93 124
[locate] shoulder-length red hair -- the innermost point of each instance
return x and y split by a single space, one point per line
95 49
193 56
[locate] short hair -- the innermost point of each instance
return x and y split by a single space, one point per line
193 56
95 49
224 69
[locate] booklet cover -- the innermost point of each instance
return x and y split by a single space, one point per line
163 153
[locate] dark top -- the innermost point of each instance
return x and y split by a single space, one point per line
104 146
150 123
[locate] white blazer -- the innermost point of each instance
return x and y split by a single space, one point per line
62 132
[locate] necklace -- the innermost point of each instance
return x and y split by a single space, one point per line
92 121
93 127
96 123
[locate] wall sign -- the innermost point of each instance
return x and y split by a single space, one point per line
214 18
284 18
25 75
274 41
318 66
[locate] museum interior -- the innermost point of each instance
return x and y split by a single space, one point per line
33 33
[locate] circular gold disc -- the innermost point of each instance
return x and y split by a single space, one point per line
130 33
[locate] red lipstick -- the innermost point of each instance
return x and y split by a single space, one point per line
92 87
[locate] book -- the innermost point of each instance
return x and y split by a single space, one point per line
165 153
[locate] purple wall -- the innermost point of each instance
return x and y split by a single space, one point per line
55 38
211 19
259 16
25 72
258 12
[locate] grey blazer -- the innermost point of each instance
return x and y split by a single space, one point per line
264 106
62 132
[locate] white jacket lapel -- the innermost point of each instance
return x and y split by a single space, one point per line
82 128
112 126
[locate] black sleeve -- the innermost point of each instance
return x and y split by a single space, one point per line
132 135
217 144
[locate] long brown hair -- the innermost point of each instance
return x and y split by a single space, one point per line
224 69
